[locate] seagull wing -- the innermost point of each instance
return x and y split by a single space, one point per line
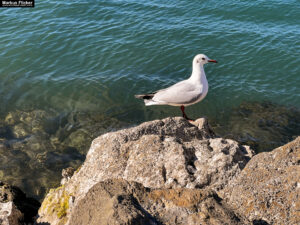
182 93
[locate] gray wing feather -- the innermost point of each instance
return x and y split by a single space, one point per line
181 93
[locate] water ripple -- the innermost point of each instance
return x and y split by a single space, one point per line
58 48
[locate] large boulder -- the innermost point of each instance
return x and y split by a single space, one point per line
116 201
268 188
170 153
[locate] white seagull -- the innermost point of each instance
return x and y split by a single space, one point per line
183 93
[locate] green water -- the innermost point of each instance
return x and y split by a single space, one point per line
91 57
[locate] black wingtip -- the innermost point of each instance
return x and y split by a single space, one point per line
146 96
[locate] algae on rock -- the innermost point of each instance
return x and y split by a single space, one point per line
57 207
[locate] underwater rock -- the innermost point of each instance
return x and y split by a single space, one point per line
20 131
41 143
5 132
79 139
31 121
263 126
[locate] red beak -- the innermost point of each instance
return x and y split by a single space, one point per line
211 60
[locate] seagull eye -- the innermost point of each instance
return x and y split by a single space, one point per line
203 58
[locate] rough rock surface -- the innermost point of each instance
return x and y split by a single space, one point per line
169 153
15 207
117 201
268 188
162 154
9 214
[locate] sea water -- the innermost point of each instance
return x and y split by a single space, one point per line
62 59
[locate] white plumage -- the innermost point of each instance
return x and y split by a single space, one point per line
183 93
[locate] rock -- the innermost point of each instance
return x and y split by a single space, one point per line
117 201
163 153
268 188
20 131
79 139
169 153
5 132
16 202
67 174
82 127
112 202
204 127
27 123
9 214
189 206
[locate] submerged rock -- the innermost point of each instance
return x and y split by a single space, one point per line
263 126
36 145
170 153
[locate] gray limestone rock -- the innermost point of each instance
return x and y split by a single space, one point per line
116 201
165 153
268 188
170 153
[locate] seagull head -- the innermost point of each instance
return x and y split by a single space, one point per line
202 59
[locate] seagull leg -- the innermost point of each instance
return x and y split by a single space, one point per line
183 113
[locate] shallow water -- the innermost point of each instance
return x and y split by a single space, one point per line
67 59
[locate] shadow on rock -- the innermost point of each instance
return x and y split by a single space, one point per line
260 222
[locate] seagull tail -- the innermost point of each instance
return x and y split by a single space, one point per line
145 96
147 99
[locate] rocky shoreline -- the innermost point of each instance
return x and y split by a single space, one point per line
35 145
173 172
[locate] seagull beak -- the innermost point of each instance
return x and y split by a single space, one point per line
211 60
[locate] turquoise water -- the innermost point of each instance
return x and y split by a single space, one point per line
96 56
93 56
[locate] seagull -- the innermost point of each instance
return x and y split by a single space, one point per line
183 93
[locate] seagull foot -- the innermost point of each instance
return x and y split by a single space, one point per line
189 119
184 115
